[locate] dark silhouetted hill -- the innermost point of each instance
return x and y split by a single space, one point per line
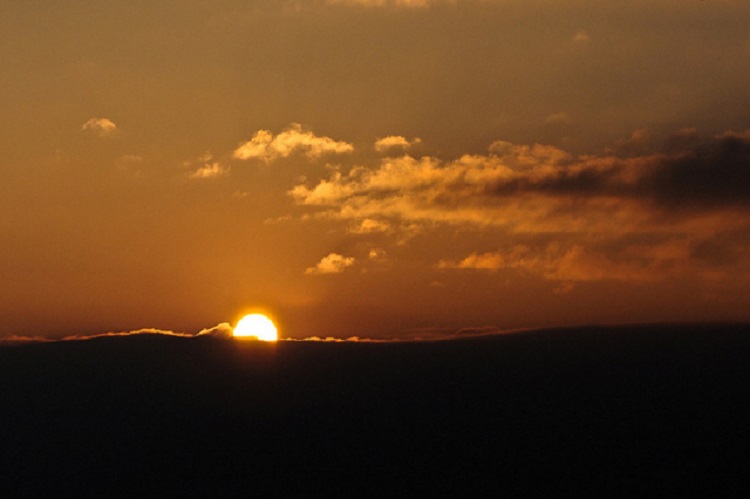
598 410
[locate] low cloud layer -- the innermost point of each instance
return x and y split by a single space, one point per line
221 330
225 330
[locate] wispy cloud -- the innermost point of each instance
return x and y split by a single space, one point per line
376 254
225 331
206 167
17 338
369 226
210 170
485 261
395 142
221 330
266 146
424 334
573 262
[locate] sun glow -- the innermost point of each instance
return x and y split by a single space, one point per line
256 326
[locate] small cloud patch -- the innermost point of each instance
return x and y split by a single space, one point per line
395 142
102 127
266 146
331 264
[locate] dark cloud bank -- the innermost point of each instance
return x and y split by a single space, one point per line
597 410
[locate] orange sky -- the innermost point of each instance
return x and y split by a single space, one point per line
373 168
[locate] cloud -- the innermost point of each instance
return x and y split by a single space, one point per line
633 217
489 189
333 339
395 142
331 264
575 263
13 339
376 254
294 140
369 226
210 170
221 330
485 261
205 167
102 127
711 173
425 334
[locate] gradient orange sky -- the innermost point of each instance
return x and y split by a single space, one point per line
373 167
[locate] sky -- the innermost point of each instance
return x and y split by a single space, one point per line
373 168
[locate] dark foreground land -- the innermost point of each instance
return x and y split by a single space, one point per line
602 411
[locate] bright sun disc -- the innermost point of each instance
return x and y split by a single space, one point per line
256 326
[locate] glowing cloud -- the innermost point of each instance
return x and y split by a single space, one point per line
638 218
265 146
369 226
210 170
396 142
102 127
221 330
331 264
485 261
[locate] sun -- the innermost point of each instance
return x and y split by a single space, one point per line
256 326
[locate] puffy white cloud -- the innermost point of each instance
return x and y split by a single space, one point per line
102 127
331 264
266 146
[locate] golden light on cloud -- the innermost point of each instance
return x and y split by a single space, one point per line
256 326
